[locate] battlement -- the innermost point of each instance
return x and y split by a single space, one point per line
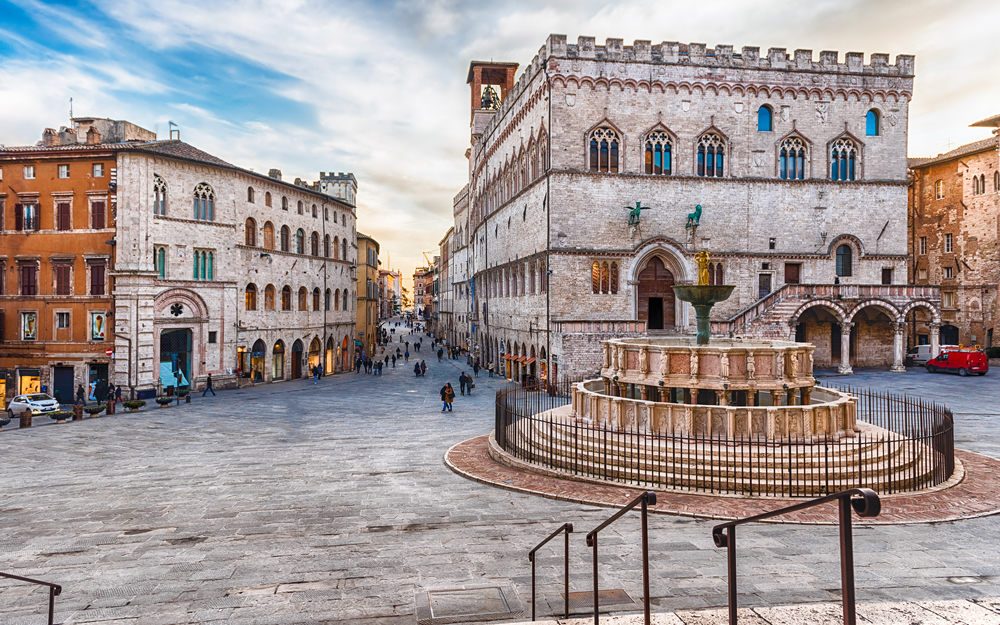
672 52
336 176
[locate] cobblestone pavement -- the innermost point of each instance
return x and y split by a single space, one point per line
294 503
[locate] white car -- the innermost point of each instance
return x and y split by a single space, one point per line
37 403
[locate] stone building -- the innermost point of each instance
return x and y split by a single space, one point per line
955 238
598 174
390 294
423 293
459 283
224 271
368 302
57 231
445 308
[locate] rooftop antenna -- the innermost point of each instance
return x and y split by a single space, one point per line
174 128
71 110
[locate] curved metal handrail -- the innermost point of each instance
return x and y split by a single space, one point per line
54 591
568 529
646 499
864 501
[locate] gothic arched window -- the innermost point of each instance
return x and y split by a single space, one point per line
659 153
326 246
159 196
267 198
251 232
314 244
285 238
764 115
250 194
269 297
204 202
316 298
300 241
286 298
605 146
792 159
251 297
844 262
873 123
843 160
343 250
711 155
268 232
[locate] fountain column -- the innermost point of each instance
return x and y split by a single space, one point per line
897 348
845 349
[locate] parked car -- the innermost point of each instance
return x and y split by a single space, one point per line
920 354
965 360
37 403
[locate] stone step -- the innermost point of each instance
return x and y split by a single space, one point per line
980 611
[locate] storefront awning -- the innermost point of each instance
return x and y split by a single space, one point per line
529 361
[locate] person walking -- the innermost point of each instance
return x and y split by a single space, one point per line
315 374
416 369
208 386
475 368
461 382
447 396
118 395
440 354
394 361
423 367
81 397
407 356
111 392
489 367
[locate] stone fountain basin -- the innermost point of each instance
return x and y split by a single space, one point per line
701 294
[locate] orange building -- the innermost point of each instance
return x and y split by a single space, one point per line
57 228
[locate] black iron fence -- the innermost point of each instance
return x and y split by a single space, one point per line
915 449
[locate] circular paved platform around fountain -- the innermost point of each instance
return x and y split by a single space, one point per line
977 494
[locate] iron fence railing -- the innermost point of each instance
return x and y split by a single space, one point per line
915 449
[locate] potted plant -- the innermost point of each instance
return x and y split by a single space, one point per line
133 405
94 411
60 416
164 401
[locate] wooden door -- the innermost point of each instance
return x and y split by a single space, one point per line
655 282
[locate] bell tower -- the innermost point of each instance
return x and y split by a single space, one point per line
490 83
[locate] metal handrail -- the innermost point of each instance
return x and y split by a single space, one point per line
54 591
867 505
646 499
568 529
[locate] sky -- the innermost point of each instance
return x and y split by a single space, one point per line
378 88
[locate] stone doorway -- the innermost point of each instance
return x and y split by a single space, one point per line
656 297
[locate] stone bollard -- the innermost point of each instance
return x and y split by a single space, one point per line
78 413
111 407
187 398
26 419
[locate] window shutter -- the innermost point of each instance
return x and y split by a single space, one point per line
97 208
62 279
19 217
97 280
62 217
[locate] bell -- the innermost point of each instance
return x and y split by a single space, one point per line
491 101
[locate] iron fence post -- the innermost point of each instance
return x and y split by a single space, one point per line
847 560
731 555
645 561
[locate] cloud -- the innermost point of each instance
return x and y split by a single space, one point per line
378 87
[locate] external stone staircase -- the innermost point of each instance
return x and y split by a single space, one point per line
774 315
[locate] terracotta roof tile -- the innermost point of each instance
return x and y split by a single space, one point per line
969 148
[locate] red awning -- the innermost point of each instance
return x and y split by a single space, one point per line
529 361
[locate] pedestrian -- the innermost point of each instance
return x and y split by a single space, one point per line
469 385
407 355
407 346
475 368
423 367
416 369
489 366
394 361
440 354
461 383
81 397
111 392
208 386
316 374
447 396
118 394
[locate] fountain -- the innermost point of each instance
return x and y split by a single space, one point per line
703 295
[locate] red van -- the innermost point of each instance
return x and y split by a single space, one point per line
965 360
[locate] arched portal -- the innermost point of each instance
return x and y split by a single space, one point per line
345 355
315 347
175 357
656 298
278 361
329 355
257 360
296 359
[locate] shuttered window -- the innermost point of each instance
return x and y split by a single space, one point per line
29 280
97 279
62 279
97 216
62 216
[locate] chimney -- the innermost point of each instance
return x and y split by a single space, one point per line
93 136
274 173
50 138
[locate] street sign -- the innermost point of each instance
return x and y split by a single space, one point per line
110 351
